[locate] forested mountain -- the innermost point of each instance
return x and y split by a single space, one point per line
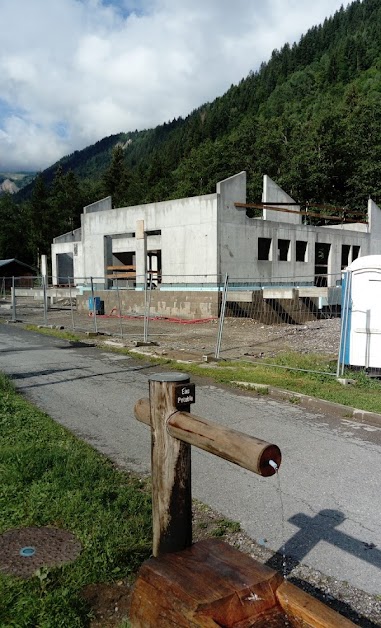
310 118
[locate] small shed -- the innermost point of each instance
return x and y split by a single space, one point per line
360 344
14 268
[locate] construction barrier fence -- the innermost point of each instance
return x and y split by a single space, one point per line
147 310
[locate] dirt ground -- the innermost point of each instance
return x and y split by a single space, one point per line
241 337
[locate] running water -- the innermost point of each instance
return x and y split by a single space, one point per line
284 559
279 490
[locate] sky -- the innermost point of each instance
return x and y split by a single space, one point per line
75 71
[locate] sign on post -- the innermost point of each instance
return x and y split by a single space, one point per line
185 394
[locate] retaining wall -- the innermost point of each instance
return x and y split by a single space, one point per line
179 304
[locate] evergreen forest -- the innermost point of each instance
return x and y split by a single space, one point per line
310 118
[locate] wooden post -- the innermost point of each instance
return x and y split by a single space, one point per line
171 470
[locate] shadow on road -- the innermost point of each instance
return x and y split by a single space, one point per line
312 530
49 372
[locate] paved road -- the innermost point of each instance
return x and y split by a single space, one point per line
330 472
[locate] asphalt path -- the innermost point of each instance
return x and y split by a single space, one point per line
329 478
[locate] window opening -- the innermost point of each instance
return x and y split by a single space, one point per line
154 267
154 232
122 271
264 249
355 252
301 251
283 250
322 252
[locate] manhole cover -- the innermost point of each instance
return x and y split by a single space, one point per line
24 550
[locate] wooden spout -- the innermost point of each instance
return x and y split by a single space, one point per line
246 451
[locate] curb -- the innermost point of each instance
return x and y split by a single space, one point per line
313 403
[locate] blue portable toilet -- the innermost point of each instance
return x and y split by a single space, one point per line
360 342
95 304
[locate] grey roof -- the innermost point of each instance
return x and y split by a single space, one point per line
5 262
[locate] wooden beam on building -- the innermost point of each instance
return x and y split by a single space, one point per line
122 276
299 213
122 267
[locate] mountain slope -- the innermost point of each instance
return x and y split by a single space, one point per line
303 118
12 182
310 118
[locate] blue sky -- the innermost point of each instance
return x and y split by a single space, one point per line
74 71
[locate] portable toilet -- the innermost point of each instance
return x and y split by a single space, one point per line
360 342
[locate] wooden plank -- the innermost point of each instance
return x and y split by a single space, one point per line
307 611
208 584
300 213
246 451
122 267
122 276
276 204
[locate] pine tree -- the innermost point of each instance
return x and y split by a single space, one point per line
115 180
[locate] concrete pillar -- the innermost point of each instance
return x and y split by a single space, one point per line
141 253
108 259
44 266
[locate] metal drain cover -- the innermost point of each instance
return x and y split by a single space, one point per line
24 550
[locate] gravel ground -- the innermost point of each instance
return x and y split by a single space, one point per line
241 337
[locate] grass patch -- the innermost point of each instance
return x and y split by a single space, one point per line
49 478
58 333
225 526
364 395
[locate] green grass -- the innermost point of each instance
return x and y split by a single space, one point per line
58 333
364 395
225 526
49 478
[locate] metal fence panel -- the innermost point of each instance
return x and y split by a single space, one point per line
182 310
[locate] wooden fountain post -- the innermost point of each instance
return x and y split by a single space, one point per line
209 583
171 468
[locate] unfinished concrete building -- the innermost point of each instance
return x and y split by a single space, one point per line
189 245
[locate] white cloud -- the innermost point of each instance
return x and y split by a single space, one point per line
96 69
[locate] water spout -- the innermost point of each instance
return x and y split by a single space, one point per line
273 465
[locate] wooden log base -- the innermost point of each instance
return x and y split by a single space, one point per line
307 612
212 584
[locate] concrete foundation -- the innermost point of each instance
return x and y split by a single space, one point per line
269 306
185 305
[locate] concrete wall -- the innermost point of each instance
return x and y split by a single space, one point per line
104 204
73 249
230 191
241 243
68 244
71 236
182 304
239 239
374 221
188 238
274 194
